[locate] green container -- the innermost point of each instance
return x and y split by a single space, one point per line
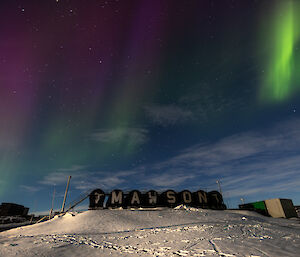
259 205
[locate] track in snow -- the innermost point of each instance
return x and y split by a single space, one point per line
232 235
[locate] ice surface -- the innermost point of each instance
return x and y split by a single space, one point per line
166 232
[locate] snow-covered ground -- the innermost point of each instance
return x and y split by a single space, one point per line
166 232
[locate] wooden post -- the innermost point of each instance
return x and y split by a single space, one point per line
50 214
219 184
51 211
67 188
53 197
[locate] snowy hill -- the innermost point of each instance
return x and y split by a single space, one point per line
166 232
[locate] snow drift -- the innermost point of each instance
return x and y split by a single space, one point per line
164 232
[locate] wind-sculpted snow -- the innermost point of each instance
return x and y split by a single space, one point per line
168 232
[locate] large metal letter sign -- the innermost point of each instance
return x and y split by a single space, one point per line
97 199
200 199
216 200
150 199
115 199
185 197
133 199
169 198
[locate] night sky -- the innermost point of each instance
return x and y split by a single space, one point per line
149 94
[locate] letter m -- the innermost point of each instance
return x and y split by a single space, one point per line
116 197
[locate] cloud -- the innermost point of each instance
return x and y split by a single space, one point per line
30 189
247 163
85 180
168 179
196 105
107 182
256 185
168 114
237 148
60 178
73 168
131 135
207 102
252 164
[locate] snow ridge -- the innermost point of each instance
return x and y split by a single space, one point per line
184 231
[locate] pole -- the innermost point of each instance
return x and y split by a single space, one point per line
53 197
51 211
219 184
65 197
73 205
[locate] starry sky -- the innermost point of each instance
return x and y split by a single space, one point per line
149 94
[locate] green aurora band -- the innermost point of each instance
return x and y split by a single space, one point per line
281 80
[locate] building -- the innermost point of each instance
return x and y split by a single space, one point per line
276 208
12 209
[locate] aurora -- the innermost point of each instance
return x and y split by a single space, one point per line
281 80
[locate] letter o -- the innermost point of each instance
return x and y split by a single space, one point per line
185 197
